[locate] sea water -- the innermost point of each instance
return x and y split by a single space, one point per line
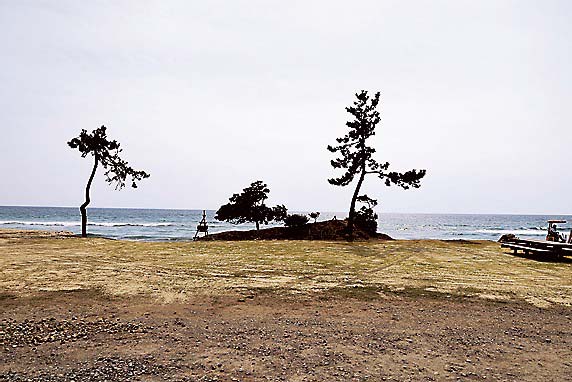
161 224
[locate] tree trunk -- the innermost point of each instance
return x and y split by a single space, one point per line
257 226
82 208
352 213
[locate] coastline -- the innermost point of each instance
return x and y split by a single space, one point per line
176 225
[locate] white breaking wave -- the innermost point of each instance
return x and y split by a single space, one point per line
132 224
41 223
524 232
78 224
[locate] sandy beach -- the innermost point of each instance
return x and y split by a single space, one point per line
99 309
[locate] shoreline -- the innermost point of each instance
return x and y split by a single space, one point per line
168 225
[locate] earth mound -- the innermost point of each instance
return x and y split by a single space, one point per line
325 230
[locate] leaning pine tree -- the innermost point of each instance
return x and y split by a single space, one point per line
106 153
355 158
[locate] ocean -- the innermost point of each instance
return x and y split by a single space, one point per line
164 225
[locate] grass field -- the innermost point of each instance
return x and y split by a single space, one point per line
170 272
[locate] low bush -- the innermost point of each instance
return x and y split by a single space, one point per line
296 220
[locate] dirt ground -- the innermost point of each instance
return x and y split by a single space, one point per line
81 336
102 310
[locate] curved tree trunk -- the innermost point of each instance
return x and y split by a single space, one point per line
352 213
83 207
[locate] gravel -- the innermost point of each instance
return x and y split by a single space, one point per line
32 333
102 369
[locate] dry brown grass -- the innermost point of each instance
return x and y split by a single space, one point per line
31 263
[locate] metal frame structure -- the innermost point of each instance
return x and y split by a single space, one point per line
203 226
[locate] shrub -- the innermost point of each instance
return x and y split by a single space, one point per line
296 220
314 215
366 220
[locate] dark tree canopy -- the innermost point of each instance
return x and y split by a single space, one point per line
355 157
296 220
314 215
249 206
105 152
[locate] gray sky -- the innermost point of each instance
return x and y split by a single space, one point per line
208 96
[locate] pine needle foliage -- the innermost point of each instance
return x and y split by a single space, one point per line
105 152
355 156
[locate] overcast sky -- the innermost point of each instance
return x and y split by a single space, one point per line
209 96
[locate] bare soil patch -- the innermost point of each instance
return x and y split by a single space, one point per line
396 336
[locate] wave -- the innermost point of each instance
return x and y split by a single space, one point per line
156 238
133 224
78 224
524 232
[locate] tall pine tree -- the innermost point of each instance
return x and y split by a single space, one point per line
356 157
